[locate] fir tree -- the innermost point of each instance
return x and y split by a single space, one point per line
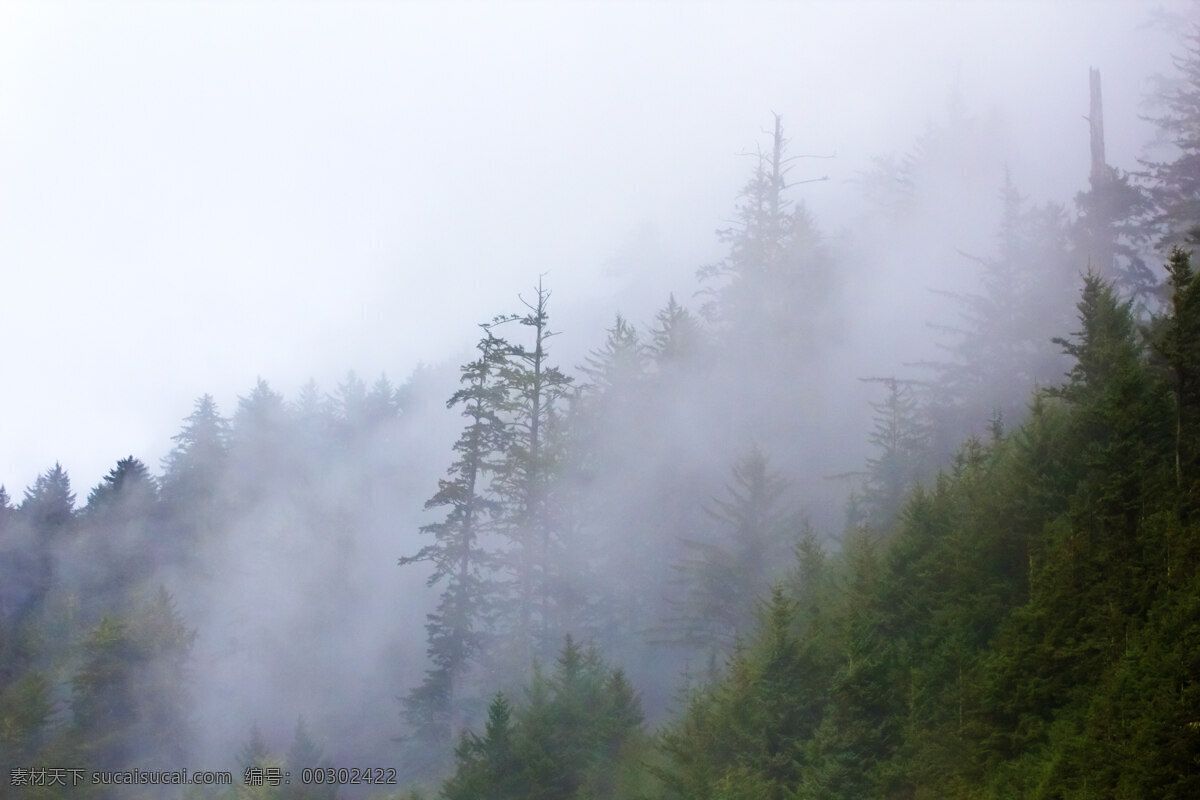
457 630
1174 185
614 371
128 492
129 703
775 273
124 540
49 504
195 468
1178 345
259 439
48 513
534 391
304 754
1001 347
727 573
677 339
899 441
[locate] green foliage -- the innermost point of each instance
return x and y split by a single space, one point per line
533 518
1029 630
129 702
456 630
899 440
569 739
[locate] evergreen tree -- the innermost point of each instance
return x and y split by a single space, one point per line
48 516
1178 345
350 404
129 703
459 559
1174 185
26 708
614 544
775 273
254 752
1107 227
1108 232
486 766
381 403
128 492
259 439
304 754
569 739
1002 347
947 162
49 504
614 371
526 478
726 574
195 468
677 339
899 441
123 540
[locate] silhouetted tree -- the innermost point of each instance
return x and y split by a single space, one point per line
195 468
534 391
1174 185
457 629
726 573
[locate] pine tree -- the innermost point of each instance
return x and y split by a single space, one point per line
49 504
259 442
1178 345
128 492
304 754
457 630
727 573
1107 227
775 271
1174 186
534 391
350 403
1002 347
486 766
123 536
48 514
194 470
677 339
255 751
899 441
129 703
614 371
381 403
569 738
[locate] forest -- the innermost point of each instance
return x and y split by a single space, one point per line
654 573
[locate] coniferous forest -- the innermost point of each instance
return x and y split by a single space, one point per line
654 573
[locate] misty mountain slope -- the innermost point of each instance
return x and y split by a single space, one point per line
804 528
1029 629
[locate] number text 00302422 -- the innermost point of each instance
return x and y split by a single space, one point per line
342 776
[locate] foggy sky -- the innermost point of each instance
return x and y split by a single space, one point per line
196 194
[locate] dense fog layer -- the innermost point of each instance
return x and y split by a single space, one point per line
769 242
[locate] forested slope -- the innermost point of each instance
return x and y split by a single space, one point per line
683 568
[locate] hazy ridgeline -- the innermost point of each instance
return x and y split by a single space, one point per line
643 528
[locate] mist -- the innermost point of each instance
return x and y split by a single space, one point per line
302 214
